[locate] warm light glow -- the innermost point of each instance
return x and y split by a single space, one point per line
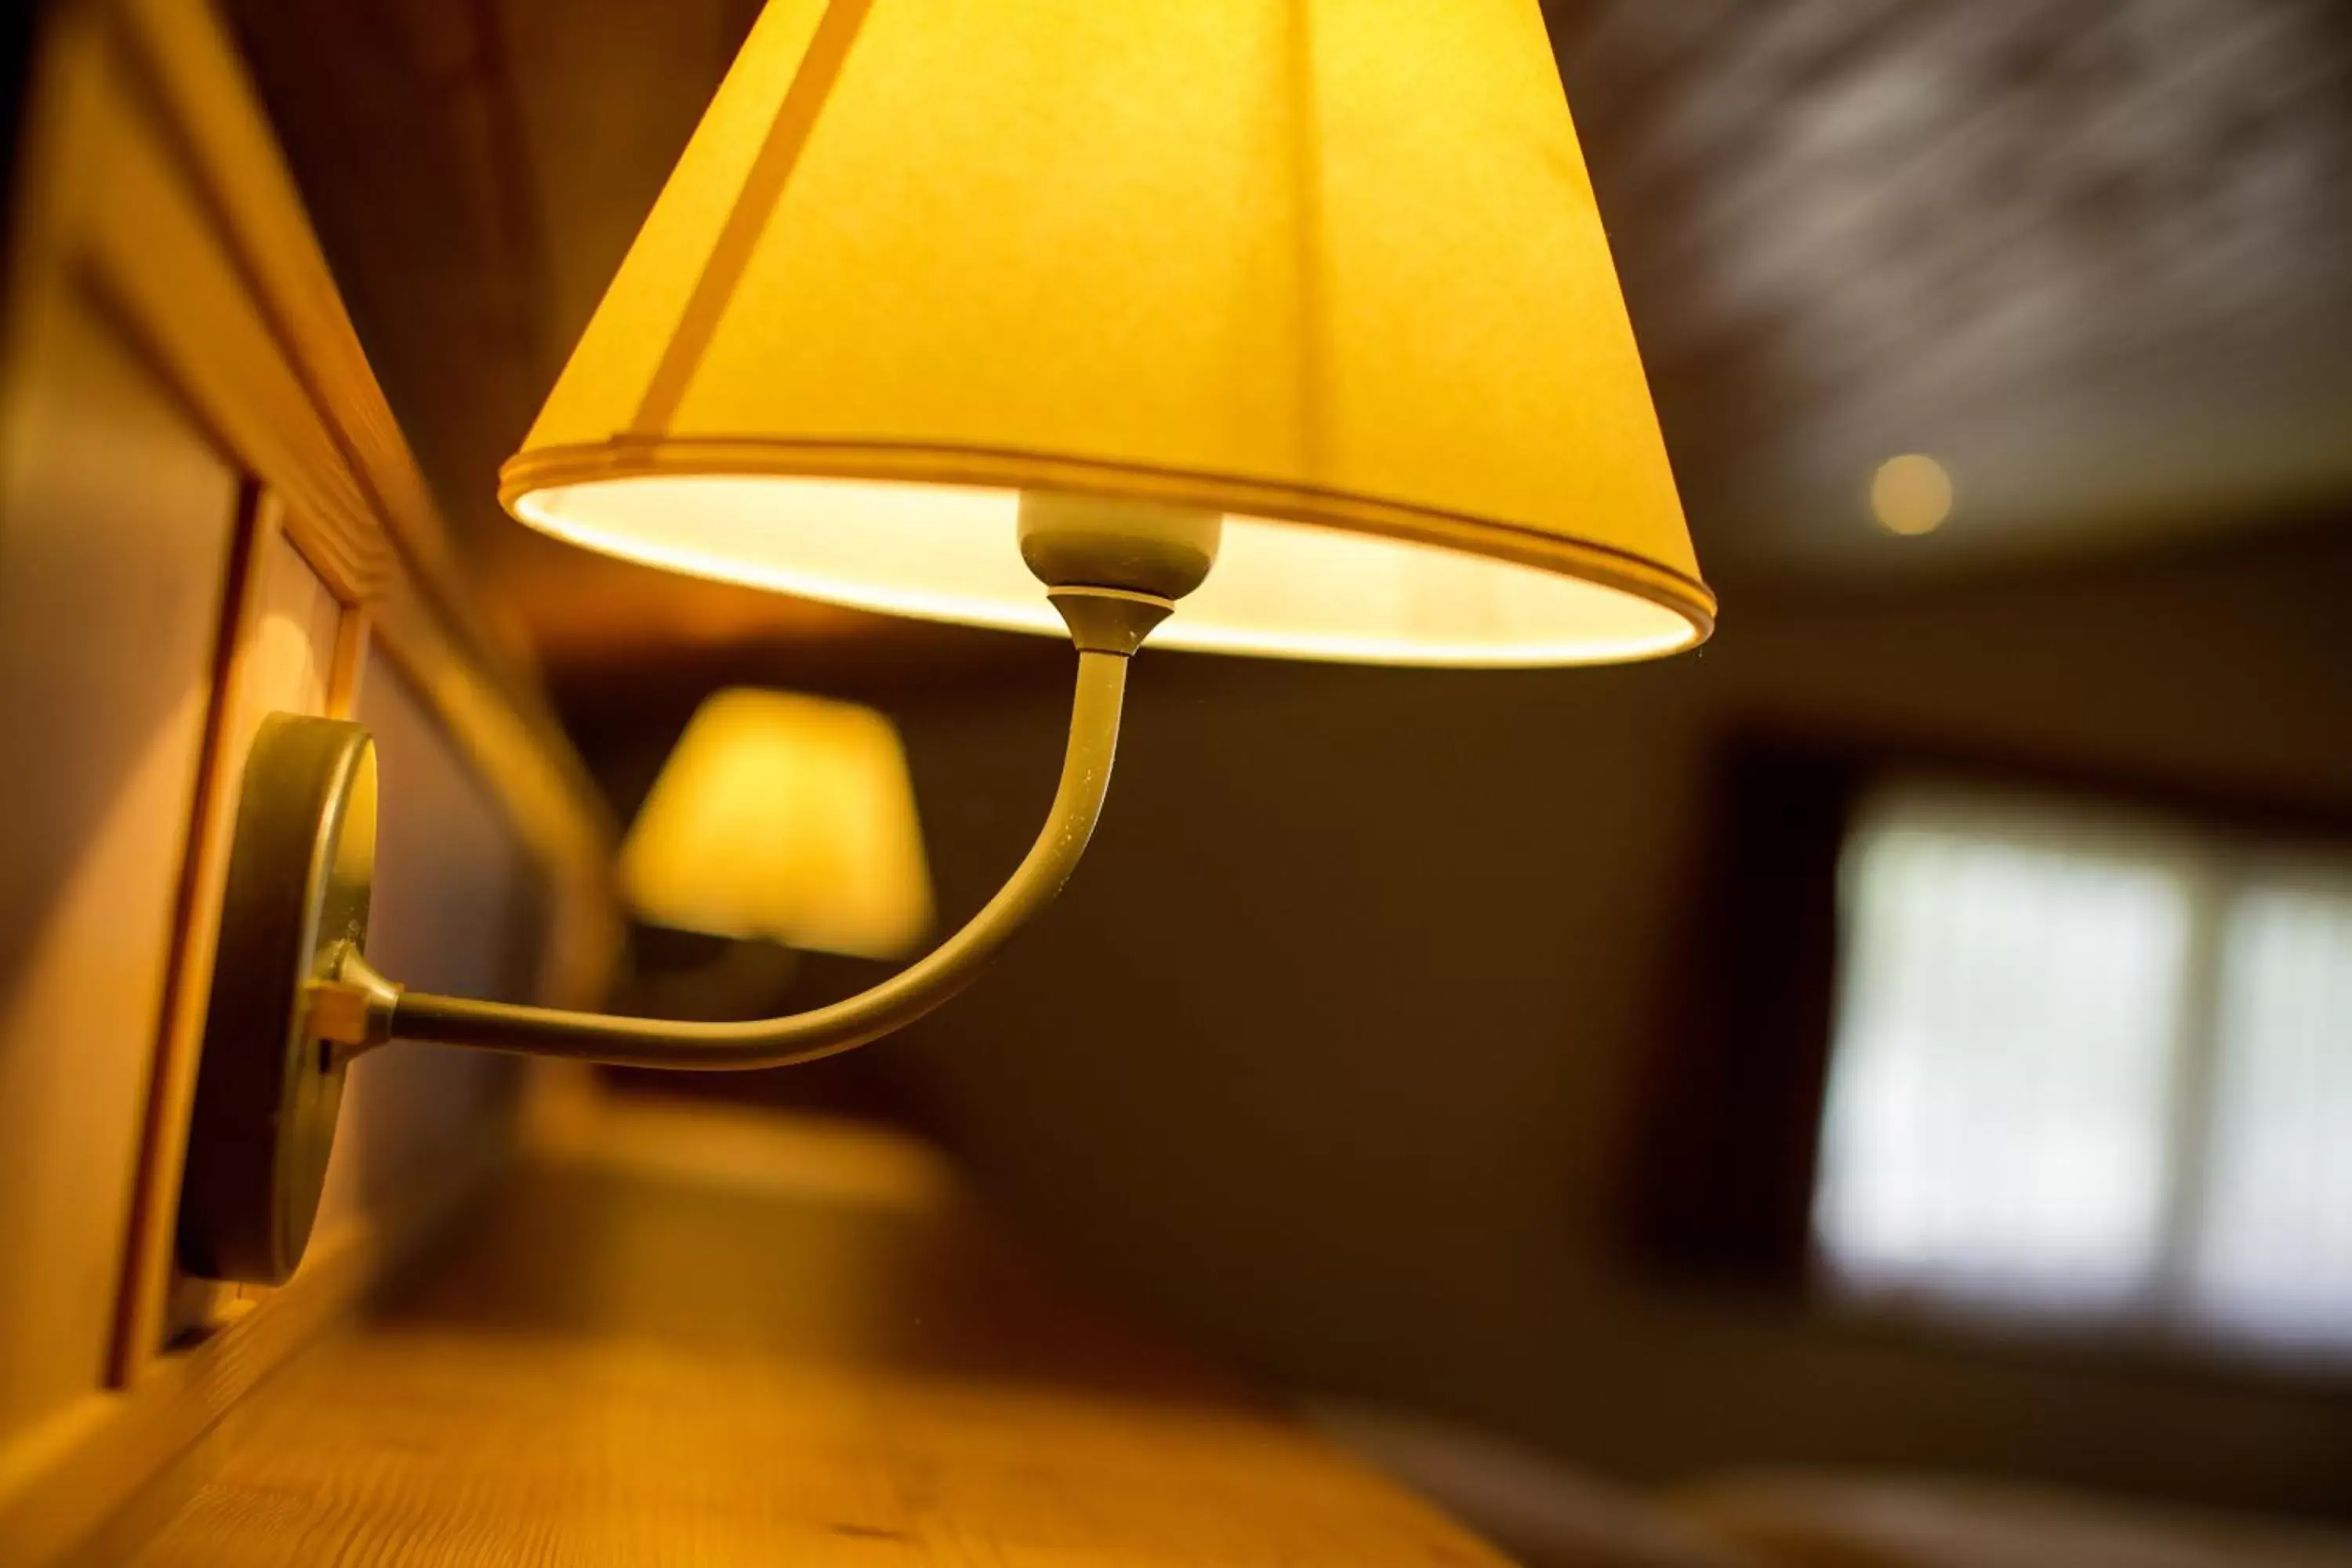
943 553
1333 271
1911 495
786 818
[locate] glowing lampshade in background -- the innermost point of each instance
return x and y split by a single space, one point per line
786 818
1332 271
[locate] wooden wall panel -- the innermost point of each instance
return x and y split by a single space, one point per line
457 909
206 515
285 662
276 358
287 642
117 518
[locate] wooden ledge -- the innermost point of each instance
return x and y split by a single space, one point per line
686 1333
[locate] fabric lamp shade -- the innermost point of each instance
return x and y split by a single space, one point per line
1331 269
786 818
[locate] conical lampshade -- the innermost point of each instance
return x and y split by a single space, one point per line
1330 269
786 817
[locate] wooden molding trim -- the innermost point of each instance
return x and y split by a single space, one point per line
171 1088
205 204
152 191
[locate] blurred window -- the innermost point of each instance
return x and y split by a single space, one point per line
2087 1064
2273 1244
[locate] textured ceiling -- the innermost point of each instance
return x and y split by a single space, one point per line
2097 258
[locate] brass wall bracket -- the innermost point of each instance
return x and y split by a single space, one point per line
269 1084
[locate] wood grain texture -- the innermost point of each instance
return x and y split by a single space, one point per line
700 1337
68 1477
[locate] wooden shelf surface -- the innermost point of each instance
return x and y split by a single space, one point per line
680 1335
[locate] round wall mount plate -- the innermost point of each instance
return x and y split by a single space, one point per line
268 1088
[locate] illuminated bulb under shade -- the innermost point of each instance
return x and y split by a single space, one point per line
784 817
1911 495
950 553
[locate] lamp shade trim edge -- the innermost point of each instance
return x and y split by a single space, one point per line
548 468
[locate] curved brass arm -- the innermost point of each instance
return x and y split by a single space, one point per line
824 1031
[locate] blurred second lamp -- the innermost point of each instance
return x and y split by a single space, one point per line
784 817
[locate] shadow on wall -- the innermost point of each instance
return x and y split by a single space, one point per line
1331 1051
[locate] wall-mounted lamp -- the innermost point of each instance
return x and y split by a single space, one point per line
1043 314
783 818
780 824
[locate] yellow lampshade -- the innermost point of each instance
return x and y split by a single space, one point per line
1330 268
786 818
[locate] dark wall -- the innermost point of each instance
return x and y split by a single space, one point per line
1330 1053
19 25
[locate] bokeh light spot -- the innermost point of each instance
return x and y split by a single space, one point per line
1911 494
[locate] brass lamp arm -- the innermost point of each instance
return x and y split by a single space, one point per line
823 1031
